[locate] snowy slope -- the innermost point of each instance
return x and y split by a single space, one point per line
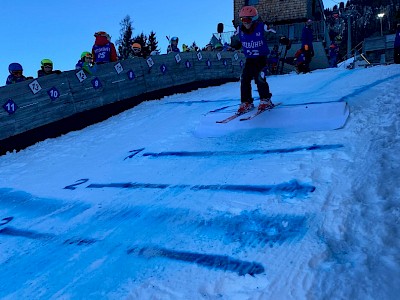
140 207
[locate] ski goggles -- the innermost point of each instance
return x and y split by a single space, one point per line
16 73
247 19
136 49
47 65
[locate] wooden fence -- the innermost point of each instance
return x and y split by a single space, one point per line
32 110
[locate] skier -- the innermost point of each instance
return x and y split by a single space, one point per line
47 68
397 45
307 43
103 50
15 76
251 34
173 46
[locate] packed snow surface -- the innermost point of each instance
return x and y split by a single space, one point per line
160 203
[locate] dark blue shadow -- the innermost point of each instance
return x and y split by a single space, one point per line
212 261
251 152
290 189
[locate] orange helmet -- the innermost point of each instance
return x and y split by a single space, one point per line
100 33
248 11
136 45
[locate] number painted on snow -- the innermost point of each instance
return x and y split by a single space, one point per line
78 182
6 220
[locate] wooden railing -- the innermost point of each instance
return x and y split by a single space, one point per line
34 103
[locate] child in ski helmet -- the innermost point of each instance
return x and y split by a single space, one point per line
103 50
252 36
137 50
47 68
85 62
15 70
173 46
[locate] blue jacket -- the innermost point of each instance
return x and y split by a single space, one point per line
254 43
397 39
13 79
307 37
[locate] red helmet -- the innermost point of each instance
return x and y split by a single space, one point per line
248 11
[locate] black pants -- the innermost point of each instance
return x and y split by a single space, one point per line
397 55
308 55
252 70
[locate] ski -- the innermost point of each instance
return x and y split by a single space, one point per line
228 119
260 112
232 117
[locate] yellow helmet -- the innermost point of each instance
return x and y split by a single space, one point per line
46 61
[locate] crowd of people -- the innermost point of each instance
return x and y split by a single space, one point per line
104 51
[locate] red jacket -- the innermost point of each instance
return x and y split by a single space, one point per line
102 43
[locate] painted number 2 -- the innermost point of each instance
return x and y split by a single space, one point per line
78 182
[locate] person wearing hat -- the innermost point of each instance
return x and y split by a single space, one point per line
47 68
103 50
307 43
397 45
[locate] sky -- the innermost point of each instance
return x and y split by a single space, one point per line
62 30
301 202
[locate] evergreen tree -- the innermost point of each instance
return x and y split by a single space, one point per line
125 41
153 43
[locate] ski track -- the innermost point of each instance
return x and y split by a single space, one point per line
310 246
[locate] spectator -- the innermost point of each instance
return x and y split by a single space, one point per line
227 47
185 48
16 75
307 44
251 35
173 46
333 52
137 50
273 60
103 50
218 47
85 63
299 60
209 47
47 68
397 45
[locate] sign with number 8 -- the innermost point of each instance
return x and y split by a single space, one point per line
96 83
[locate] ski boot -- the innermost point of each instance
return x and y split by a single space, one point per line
244 108
265 104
